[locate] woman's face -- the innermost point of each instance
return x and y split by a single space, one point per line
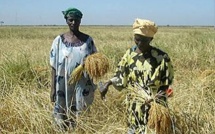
141 41
73 23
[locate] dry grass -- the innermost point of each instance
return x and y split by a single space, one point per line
25 106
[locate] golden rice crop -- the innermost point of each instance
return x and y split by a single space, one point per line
76 74
192 105
159 118
96 65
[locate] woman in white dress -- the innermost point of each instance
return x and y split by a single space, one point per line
67 52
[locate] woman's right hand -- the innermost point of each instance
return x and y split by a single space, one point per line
104 88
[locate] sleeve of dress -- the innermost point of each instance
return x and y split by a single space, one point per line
120 78
167 73
53 52
164 74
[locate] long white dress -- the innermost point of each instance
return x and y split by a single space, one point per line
65 57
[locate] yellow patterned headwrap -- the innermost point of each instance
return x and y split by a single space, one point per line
144 27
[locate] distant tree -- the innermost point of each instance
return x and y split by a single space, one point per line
2 22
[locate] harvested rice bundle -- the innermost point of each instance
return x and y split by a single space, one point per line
76 74
159 116
96 65
159 119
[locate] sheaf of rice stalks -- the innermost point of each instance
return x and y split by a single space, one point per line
159 119
76 74
96 65
159 116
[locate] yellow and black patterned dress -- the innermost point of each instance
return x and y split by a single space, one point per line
151 70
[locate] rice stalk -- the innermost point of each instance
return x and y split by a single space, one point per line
159 116
76 74
96 65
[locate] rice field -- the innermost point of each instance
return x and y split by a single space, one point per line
25 73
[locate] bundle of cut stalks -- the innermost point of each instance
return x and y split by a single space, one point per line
159 119
96 65
76 74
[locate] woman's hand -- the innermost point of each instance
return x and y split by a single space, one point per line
103 88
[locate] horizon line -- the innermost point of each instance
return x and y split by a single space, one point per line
111 25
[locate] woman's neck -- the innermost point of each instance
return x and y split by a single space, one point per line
75 33
143 50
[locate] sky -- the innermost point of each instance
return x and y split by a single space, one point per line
109 12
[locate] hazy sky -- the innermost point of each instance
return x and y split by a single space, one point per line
109 12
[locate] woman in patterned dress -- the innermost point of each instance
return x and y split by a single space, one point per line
144 65
69 50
